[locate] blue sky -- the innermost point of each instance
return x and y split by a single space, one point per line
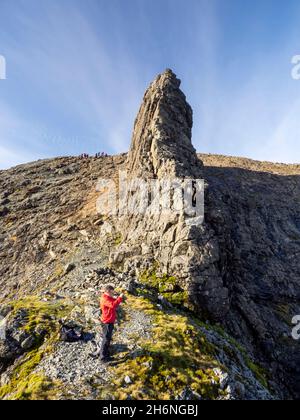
77 70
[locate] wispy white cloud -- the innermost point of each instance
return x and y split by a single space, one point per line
86 90
78 70
283 145
12 127
256 114
11 157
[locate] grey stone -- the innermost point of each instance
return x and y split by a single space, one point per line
69 267
127 380
28 343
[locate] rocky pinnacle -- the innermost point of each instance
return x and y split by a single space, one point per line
162 148
161 142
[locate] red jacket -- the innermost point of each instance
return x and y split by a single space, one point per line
109 308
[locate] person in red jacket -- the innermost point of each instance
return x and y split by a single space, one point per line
108 304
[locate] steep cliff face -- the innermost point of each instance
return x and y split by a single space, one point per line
238 268
255 213
170 240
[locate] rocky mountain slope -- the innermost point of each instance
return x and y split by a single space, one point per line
209 307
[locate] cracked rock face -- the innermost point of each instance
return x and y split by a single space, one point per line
240 266
161 143
162 149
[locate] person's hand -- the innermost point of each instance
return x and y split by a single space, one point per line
122 295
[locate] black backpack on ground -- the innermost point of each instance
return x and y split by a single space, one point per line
70 333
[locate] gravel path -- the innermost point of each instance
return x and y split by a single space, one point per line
73 366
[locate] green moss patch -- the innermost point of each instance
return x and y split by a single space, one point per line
259 372
25 383
42 314
166 286
176 358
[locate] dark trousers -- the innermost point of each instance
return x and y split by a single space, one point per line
107 332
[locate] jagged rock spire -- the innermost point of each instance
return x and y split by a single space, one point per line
162 148
161 142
